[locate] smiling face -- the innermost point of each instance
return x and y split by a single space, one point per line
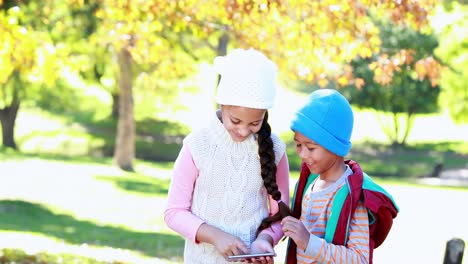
241 122
318 159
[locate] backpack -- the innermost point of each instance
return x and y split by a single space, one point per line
380 206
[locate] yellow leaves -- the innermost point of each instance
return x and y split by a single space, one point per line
340 30
27 52
347 78
290 31
383 70
375 41
76 2
365 52
45 70
100 13
323 82
342 81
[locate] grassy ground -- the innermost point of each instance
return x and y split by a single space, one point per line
91 211
85 136
61 195
114 215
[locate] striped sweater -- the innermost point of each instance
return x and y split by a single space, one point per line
341 208
315 213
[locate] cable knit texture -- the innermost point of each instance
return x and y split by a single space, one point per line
229 192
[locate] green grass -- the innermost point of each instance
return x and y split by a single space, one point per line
22 216
89 134
18 256
104 208
82 135
406 163
115 209
139 184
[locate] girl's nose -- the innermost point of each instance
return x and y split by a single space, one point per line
243 132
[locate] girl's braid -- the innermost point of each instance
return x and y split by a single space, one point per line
268 172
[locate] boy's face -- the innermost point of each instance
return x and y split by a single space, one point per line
318 159
241 122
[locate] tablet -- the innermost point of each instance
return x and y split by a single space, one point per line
253 255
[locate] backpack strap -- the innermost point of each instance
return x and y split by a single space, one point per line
336 208
305 179
309 181
369 184
339 200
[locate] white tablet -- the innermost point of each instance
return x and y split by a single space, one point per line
253 255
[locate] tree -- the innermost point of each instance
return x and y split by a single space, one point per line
452 52
405 86
139 38
28 60
313 41
293 33
309 40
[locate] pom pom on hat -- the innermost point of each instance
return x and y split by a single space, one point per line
327 119
248 79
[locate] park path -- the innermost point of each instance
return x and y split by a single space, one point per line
428 218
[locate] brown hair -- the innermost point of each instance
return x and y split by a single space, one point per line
268 172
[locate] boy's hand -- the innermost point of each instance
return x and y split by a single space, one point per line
294 229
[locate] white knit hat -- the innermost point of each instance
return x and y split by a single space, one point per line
248 78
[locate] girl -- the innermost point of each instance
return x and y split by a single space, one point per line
229 176
330 222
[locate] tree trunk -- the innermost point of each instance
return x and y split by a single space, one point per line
396 127
124 151
387 127
8 119
409 126
222 44
115 105
221 50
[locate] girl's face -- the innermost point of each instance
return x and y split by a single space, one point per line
241 122
318 159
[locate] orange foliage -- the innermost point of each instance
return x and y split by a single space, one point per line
305 38
428 68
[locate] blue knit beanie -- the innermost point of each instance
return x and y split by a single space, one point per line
327 119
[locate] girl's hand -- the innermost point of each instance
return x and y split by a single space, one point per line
294 229
225 243
262 244
228 245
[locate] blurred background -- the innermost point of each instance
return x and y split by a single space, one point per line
96 97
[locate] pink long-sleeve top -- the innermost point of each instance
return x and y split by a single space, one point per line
178 215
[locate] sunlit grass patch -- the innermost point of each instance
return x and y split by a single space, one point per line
408 162
18 256
93 203
139 184
22 216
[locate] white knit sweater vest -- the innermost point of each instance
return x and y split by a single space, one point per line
229 192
